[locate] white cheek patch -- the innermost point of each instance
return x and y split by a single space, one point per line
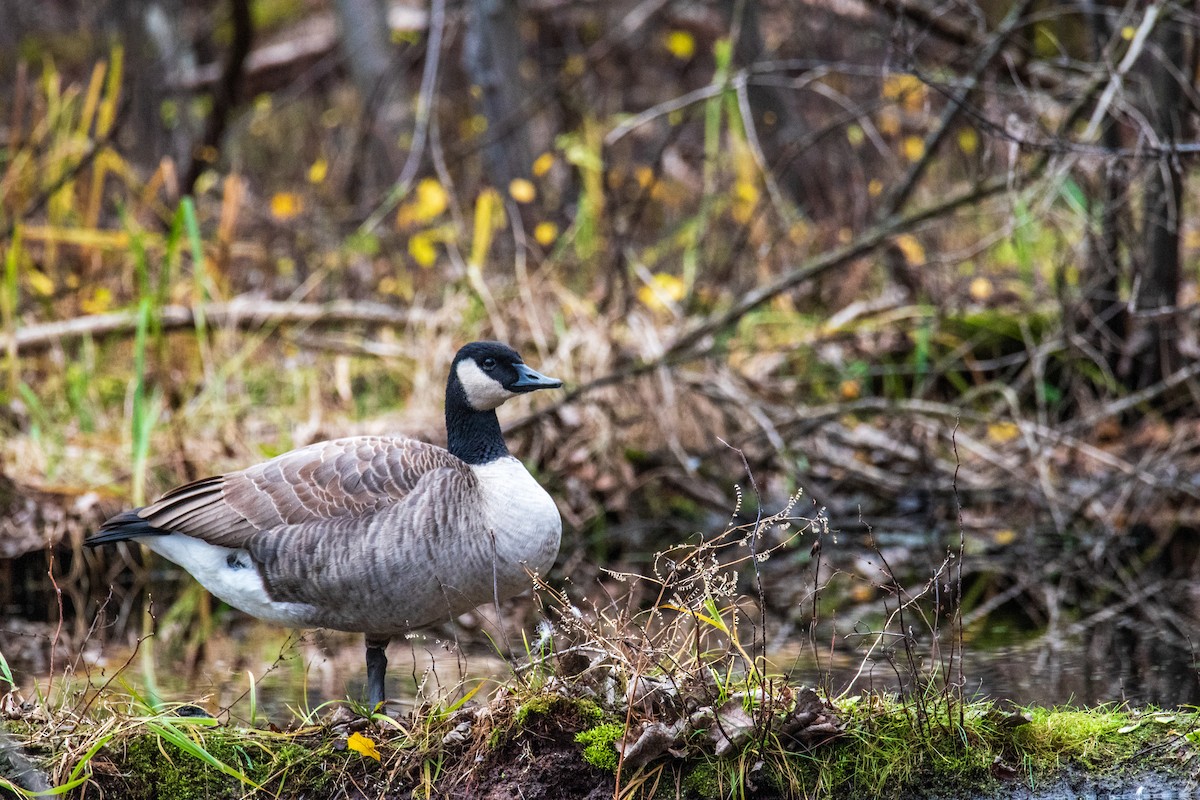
483 392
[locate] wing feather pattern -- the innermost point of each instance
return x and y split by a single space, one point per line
319 486
391 561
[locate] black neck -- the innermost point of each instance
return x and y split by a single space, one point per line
474 436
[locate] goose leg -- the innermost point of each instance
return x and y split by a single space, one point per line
376 670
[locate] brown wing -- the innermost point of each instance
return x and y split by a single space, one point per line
342 478
395 568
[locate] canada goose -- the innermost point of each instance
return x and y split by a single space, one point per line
370 533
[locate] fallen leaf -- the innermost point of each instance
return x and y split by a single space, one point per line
362 745
731 728
654 740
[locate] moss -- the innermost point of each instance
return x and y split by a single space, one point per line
1093 738
703 780
598 747
568 714
158 769
551 704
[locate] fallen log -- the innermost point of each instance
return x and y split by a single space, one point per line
241 313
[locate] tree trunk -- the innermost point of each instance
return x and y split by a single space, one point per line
368 51
777 121
1105 321
492 57
1150 350
224 96
153 33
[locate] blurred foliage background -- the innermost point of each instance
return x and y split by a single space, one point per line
935 264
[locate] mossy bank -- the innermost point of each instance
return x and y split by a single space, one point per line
553 745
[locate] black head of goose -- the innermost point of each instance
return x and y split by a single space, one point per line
370 533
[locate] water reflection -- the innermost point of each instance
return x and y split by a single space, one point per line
302 670
1044 671
200 652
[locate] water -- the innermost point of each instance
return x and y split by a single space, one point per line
1084 655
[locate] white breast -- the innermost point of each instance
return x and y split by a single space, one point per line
521 516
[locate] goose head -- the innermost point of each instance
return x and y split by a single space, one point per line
482 377
485 374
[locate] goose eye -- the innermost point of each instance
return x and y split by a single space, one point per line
489 363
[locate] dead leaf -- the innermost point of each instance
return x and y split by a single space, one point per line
731 728
654 740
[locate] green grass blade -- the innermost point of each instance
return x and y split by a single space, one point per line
199 293
175 736
9 307
6 673
141 423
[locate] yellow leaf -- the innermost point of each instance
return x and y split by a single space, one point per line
680 44
318 171
98 303
662 290
745 201
522 190
855 135
41 283
905 88
862 592
800 232
968 141
850 389
1127 32
914 253
423 248
875 187
545 233
1002 432
1004 537
643 175
286 205
981 289
542 164
914 147
427 203
400 285
362 745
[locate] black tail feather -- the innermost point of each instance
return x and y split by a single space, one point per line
124 526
